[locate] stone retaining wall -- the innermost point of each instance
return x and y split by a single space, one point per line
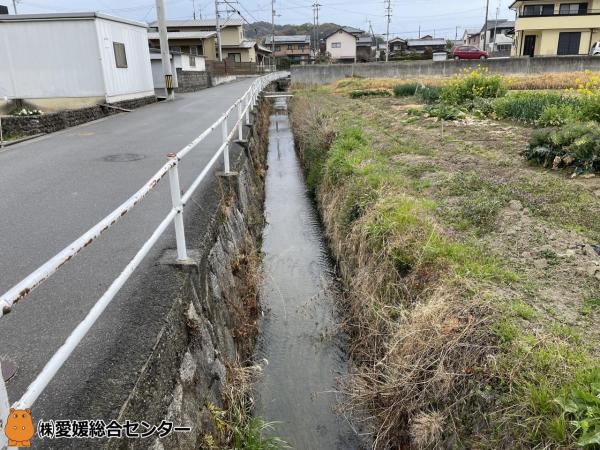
48 123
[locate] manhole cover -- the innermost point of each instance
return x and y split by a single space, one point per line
123 157
9 369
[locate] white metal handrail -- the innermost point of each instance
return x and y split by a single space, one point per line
36 278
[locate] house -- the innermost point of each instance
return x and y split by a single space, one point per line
341 44
199 37
69 60
498 37
364 48
295 48
471 37
397 45
546 28
426 43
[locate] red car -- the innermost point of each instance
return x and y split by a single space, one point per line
468 52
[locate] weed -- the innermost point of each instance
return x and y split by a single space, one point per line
468 86
361 93
590 305
405 89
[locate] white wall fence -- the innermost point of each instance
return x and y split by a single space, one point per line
241 110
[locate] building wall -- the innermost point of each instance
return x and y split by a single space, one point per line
283 50
50 60
246 54
547 29
136 79
183 62
231 35
348 47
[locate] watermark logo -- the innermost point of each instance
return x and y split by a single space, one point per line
19 428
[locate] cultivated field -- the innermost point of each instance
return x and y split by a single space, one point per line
472 275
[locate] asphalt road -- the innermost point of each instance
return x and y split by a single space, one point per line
55 188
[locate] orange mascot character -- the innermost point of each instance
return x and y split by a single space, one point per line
19 428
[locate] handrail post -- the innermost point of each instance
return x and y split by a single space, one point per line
178 205
226 143
240 121
4 408
247 101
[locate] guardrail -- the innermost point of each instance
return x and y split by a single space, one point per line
242 108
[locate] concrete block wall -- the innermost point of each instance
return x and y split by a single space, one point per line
327 73
191 81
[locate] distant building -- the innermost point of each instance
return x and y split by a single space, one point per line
397 45
3 9
199 37
295 48
364 48
341 44
471 37
499 36
69 60
555 27
427 42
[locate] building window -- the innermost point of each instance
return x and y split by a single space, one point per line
301 46
120 55
538 10
568 43
235 57
290 47
573 8
278 48
336 45
192 61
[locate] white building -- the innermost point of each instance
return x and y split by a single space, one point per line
341 44
62 61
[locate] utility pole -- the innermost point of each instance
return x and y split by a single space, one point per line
164 49
15 6
318 41
218 30
388 13
273 27
485 27
496 27
194 6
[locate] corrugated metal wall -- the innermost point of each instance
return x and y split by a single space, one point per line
50 59
135 80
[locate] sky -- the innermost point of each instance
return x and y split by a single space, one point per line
444 18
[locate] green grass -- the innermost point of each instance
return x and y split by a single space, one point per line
405 89
429 228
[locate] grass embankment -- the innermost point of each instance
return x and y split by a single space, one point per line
473 295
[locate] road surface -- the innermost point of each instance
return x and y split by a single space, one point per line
55 188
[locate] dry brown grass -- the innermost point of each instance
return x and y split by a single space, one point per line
567 80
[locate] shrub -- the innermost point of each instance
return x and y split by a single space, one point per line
428 94
526 106
556 115
483 107
477 83
405 89
360 93
576 144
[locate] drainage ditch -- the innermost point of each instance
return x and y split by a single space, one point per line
300 336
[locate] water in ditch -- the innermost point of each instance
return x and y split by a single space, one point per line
300 338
